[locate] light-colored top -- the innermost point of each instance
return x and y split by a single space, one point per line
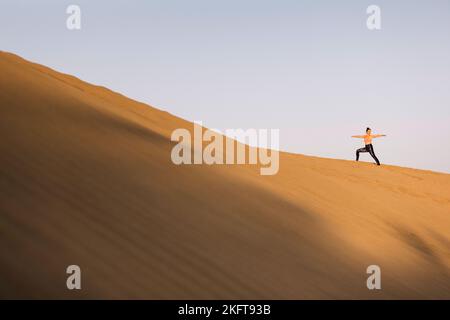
368 137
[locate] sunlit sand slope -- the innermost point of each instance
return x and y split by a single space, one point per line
86 178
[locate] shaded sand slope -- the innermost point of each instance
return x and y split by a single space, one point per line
86 179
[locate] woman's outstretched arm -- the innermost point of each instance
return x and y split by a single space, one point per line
378 135
357 136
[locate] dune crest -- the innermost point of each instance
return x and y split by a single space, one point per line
86 179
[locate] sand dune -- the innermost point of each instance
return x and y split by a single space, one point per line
86 179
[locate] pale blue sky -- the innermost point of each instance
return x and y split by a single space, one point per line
310 68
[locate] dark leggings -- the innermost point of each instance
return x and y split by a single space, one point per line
368 148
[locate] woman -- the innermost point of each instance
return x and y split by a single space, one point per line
368 142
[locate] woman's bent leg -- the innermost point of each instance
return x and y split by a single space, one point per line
372 153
